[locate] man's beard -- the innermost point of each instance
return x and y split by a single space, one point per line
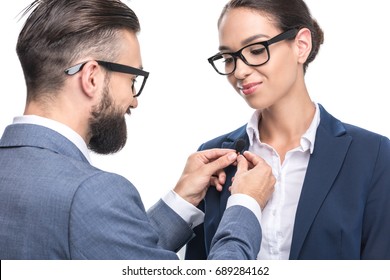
107 127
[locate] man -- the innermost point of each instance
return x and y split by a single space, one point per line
82 65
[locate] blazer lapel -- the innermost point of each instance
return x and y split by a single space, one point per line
232 138
330 149
216 199
230 143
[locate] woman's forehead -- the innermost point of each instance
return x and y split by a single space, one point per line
239 24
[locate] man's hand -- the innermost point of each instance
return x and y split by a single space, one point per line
203 169
254 178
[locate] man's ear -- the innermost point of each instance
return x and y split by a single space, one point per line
303 44
92 79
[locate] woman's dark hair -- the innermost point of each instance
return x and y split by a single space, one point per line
59 32
287 14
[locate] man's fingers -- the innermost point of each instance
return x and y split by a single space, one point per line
252 158
214 181
213 154
220 163
242 165
221 175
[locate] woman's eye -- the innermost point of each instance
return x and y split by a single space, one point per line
258 51
228 61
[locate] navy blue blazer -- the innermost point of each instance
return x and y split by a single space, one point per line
55 205
344 207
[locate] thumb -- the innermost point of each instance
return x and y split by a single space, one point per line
242 165
252 158
220 163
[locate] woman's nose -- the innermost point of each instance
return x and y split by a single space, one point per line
242 69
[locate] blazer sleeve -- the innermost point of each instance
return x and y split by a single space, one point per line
376 229
108 221
173 231
238 236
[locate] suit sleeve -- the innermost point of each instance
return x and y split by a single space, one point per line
108 221
376 230
238 236
173 231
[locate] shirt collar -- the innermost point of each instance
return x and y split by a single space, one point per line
62 129
307 139
252 128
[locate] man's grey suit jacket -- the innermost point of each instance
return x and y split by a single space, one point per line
55 205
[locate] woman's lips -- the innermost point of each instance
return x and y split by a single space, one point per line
248 89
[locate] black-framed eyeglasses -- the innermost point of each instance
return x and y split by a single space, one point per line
255 54
139 80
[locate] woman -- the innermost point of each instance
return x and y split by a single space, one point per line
332 194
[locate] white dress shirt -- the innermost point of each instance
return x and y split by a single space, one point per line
191 214
279 214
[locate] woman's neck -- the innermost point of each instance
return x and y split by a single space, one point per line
282 125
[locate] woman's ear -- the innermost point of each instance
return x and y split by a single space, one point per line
304 44
91 79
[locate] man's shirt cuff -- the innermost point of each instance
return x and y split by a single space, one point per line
188 212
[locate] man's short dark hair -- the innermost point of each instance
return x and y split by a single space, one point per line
59 32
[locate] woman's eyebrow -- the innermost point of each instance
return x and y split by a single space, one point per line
245 41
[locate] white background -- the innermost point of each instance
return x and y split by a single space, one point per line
185 103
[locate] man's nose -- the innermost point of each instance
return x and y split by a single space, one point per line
134 102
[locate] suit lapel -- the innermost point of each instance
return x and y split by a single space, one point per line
232 138
216 199
231 170
330 149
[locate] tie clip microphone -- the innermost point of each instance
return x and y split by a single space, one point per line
239 146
